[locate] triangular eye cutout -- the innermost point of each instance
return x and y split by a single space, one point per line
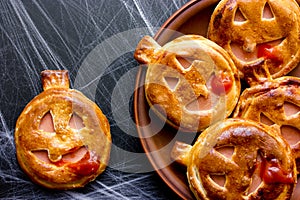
267 12
46 123
239 17
76 122
226 151
265 120
185 62
290 134
290 108
172 82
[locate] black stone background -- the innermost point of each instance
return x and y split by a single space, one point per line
62 34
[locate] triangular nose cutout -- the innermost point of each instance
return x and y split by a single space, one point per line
239 17
172 82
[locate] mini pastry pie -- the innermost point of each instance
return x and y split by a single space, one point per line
238 159
261 36
62 138
190 82
276 104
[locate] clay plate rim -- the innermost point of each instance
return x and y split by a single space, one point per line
181 22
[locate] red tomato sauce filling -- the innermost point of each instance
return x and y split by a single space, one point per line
88 165
221 84
272 172
269 52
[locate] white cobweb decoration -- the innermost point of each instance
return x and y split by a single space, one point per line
59 34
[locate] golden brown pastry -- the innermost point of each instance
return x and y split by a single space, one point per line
276 104
62 138
238 159
190 81
261 36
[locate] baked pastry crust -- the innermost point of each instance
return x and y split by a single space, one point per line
93 140
265 33
270 101
198 98
249 140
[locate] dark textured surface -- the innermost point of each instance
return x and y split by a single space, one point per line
94 40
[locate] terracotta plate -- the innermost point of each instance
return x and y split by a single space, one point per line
156 137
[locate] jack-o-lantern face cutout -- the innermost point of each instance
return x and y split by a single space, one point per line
62 138
276 104
190 82
238 159
261 36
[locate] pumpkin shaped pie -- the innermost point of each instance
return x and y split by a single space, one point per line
261 36
238 159
62 138
275 103
190 82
